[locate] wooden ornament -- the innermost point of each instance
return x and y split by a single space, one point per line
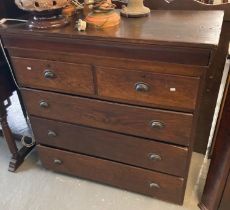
103 20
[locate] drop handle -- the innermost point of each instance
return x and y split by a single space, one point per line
141 87
57 162
43 104
154 157
48 74
157 124
51 133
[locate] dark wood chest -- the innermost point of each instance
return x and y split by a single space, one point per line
118 106
217 188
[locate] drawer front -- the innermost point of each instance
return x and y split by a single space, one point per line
126 149
150 123
178 92
196 56
131 178
52 75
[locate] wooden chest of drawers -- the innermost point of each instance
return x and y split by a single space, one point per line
119 106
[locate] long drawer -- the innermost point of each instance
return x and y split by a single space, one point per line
53 75
144 122
126 149
131 178
154 89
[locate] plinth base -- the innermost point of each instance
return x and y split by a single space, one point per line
139 12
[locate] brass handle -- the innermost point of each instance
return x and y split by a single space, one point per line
154 157
157 124
141 87
51 133
44 104
57 162
48 74
154 185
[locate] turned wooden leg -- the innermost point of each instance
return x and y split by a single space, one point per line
22 105
18 156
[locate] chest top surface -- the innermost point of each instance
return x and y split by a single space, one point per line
181 28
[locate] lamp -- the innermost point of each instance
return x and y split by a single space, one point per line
135 8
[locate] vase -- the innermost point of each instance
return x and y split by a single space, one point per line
135 8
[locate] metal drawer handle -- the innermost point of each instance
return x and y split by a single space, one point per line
57 162
141 87
157 124
154 157
154 185
48 74
43 104
51 133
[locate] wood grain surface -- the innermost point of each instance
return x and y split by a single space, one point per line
131 178
64 77
180 28
116 117
112 146
182 54
161 89
217 179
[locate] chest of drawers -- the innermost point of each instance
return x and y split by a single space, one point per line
118 106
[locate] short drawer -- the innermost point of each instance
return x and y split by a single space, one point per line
52 75
127 177
138 121
121 148
153 89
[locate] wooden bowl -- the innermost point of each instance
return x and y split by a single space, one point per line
45 14
103 20
41 5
